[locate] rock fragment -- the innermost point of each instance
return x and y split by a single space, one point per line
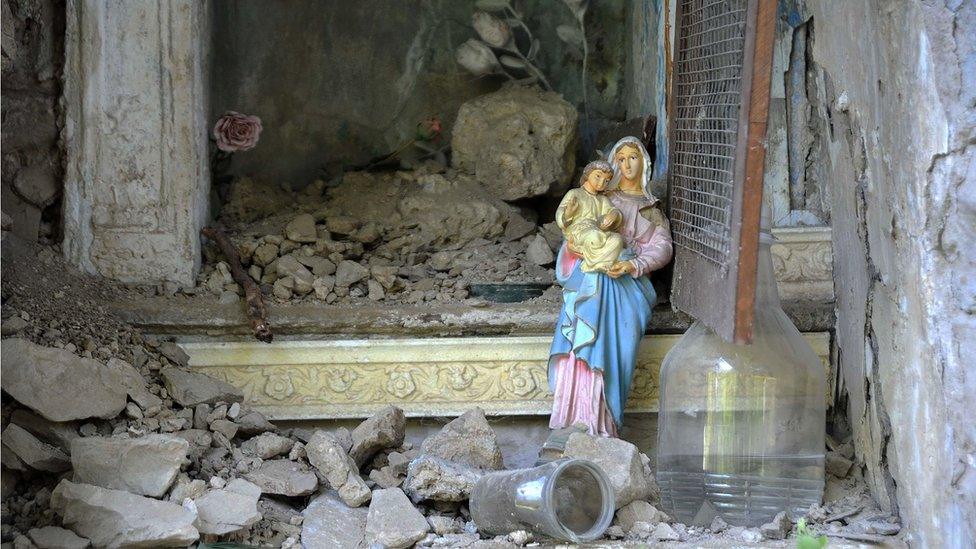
328 522
539 252
52 537
639 511
349 273
778 528
192 388
230 509
113 518
59 385
385 429
32 452
267 446
283 477
619 459
325 453
301 229
518 142
467 440
174 353
393 521
145 466
437 479
253 423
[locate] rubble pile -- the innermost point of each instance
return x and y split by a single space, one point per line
109 439
404 237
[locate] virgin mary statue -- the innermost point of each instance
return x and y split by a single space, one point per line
604 315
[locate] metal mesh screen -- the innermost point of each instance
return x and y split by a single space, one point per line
707 97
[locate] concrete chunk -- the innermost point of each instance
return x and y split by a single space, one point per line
328 522
146 466
113 518
325 453
393 521
59 385
34 453
191 388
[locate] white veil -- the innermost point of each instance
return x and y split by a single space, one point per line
646 173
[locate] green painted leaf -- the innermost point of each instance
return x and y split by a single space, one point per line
570 35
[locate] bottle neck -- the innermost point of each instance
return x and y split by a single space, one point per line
767 294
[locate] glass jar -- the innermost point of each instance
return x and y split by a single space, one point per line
741 427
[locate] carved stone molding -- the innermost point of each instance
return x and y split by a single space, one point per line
803 260
137 175
424 377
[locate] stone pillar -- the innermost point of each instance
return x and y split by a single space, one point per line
137 174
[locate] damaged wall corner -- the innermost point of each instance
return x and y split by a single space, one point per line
897 85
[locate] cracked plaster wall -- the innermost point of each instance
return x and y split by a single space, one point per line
897 83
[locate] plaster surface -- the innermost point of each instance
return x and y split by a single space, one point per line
898 85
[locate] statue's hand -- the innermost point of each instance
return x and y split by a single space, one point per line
612 220
572 206
621 268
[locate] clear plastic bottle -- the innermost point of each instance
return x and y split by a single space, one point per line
741 427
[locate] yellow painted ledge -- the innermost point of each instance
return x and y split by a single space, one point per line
423 376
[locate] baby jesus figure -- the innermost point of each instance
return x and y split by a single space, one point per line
589 220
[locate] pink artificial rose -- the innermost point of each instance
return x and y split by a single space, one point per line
237 132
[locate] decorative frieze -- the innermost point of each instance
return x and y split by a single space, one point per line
423 376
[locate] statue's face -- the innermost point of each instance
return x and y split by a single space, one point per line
597 181
628 160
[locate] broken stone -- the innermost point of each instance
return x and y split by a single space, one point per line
225 427
325 453
539 252
113 518
253 423
58 384
56 434
265 254
32 452
283 477
52 537
437 479
882 527
184 488
518 142
174 353
384 478
349 273
322 286
267 446
13 326
191 388
664 532
468 440
146 466
837 465
328 522
718 525
443 525
135 385
639 511
778 528
375 292
301 229
619 459
230 509
393 521
288 266
750 535
341 225
399 462
385 429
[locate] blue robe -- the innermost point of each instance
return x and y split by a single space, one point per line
602 321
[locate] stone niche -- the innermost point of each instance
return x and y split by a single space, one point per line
336 84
